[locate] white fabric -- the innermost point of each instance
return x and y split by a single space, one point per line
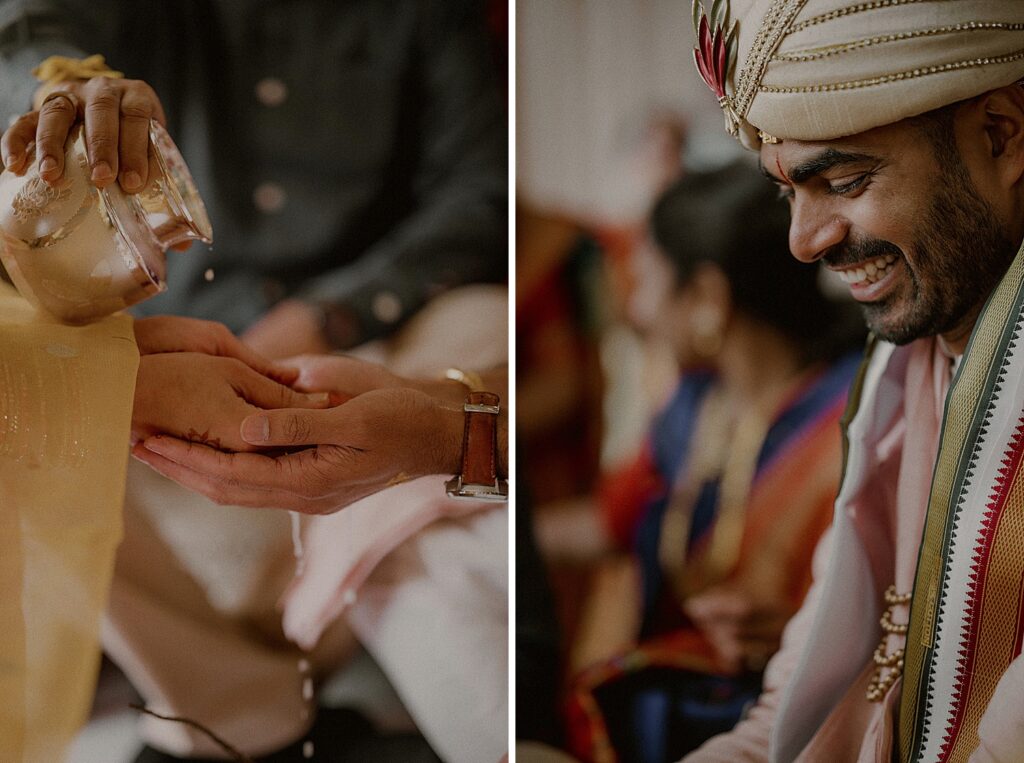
588 75
434 615
342 549
849 610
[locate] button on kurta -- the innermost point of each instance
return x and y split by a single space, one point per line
269 197
270 91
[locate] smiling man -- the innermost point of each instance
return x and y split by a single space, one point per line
896 130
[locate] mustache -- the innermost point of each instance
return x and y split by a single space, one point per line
853 252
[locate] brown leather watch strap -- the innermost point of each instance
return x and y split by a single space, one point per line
479 477
480 440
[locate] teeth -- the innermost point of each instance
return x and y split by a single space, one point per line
871 272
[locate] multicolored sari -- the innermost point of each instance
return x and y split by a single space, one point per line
673 685
967 613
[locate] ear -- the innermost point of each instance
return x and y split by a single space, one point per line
1002 122
710 289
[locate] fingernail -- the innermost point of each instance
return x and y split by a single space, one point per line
256 429
101 171
48 163
320 398
285 375
131 180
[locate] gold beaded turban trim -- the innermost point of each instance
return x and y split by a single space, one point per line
824 69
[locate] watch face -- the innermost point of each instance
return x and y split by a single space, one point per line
497 492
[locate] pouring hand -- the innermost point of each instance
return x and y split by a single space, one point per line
116 114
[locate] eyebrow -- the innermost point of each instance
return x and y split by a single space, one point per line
828 159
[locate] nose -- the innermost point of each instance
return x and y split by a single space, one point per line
814 229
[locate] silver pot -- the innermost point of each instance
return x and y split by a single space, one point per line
79 252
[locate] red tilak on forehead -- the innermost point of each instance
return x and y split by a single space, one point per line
782 172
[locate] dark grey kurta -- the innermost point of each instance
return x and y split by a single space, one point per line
349 152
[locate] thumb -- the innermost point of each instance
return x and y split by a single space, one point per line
289 427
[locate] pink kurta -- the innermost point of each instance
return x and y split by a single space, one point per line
889 515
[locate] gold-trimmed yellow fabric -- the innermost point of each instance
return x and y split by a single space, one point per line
824 69
65 413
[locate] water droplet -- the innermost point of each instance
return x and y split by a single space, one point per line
208 275
307 749
307 689
349 597
300 562
303 665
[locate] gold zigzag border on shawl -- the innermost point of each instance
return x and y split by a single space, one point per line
968 399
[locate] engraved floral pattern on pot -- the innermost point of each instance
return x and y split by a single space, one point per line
36 198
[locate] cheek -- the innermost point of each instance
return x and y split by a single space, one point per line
678 330
649 301
885 217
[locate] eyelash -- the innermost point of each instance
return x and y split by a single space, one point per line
853 185
786 192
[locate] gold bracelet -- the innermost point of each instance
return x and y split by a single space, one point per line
61 69
470 379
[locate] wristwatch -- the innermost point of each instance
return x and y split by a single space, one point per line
479 477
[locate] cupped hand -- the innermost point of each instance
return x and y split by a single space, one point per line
347 377
169 333
344 376
205 398
116 113
374 440
743 630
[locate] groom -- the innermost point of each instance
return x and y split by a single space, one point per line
896 131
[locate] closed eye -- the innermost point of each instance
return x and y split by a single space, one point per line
849 188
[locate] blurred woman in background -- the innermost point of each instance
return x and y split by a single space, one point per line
724 505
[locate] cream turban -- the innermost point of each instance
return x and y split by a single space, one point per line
823 69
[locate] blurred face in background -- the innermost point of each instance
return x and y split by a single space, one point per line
660 308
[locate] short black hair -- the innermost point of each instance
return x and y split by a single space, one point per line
937 126
733 218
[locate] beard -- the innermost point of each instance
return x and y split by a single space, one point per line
959 255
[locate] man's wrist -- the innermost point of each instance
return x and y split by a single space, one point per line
449 428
